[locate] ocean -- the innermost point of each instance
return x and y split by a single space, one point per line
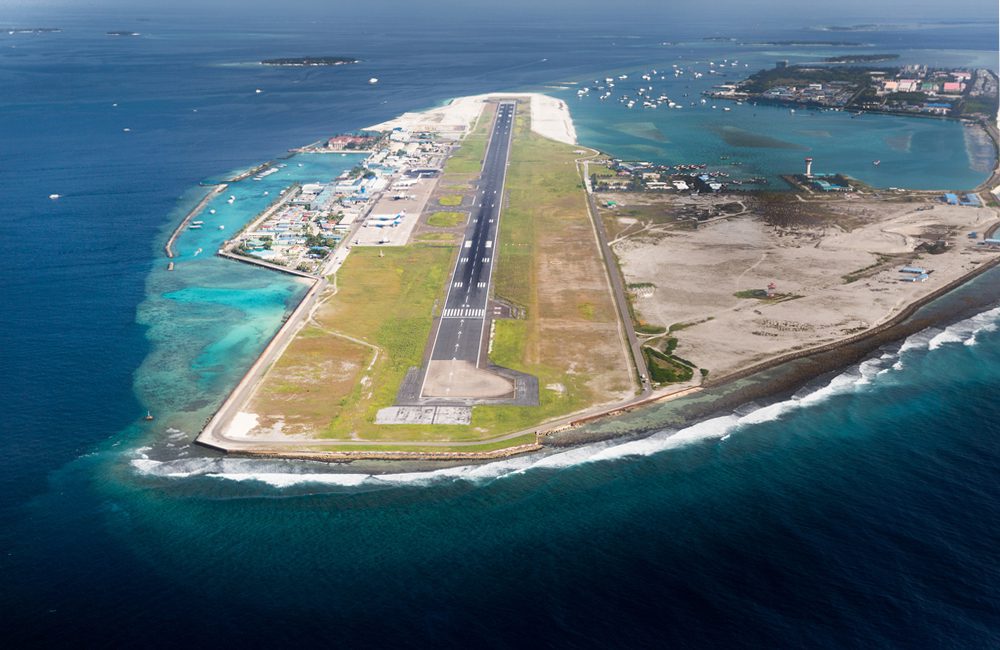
859 510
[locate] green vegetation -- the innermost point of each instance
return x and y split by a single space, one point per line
666 369
451 200
854 276
447 219
387 301
468 158
759 294
436 237
764 80
646 328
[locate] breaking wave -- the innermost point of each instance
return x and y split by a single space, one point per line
283 474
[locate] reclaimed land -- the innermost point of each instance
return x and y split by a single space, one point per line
373 321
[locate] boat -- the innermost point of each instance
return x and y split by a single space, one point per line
212 211
373 80
266 192
258 91
194 226
198 223
170 266
876 162
222 227
54 196
149 416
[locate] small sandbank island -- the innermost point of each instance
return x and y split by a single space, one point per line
31 30
305 61
482 286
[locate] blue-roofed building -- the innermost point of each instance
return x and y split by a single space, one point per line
950 198
973 200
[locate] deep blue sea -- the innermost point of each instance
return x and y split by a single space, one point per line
862 510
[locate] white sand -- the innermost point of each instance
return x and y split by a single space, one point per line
697 272
550 117
241 426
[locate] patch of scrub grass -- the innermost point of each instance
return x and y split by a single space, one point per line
468 158
665 369
437 237
451 200
511 338
447 219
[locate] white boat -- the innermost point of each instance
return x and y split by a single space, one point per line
222 227
258 91
194 226
266 192
197 223
373 80
54 196
727 109
212 211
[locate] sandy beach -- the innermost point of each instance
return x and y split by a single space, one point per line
550 117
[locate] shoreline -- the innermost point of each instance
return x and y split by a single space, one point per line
558 432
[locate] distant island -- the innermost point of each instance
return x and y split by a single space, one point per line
123 33
911 89
860 58
33 30
809 43
310 61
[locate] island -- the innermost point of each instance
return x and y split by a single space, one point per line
860 58
912 89
481 285
310 61
33 30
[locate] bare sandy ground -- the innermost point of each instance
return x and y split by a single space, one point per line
550 117
463 379
832 280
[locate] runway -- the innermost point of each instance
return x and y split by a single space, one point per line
462 325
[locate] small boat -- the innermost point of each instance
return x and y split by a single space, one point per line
149 416
373 80
197 223
54 196
170 266
222 227
194 226
126 129
212 211
266 192
876 162
258 91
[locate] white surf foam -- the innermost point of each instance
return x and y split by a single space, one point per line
283 474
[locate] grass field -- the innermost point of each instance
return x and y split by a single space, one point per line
308 385
447 219
568 339
468 158
451 200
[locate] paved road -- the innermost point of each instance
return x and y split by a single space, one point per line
621 300
463 319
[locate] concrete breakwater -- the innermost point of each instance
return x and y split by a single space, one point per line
195 211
